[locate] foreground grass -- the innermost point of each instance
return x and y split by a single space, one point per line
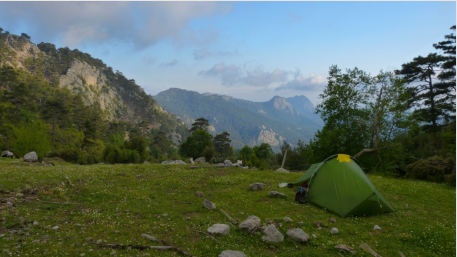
117 203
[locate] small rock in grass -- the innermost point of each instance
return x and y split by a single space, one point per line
45 237
298 235
272 235
334 231
113 253
256 186
209 205
55 227
152 238
199 193
82 254
300 223
19 195
35 241
333 220
165 215
99 241
274 193
314 235
231 253
345 248
287 219
219 229
89 239
251 224
36 223
376 227
317 224
138 176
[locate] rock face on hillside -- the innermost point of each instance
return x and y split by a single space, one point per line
269 137
91 83
18 51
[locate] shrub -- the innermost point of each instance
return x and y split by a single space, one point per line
434 169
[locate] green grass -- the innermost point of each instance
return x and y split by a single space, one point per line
116 207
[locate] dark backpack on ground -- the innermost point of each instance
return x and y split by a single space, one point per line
300 197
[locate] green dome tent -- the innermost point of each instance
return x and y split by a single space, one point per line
341 186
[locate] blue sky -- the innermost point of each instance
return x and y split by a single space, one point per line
249 50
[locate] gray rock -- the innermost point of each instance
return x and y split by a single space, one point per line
245 167
287 219
251 224
253 168
55 227
283 170
209 205
7 154
152 238
228 163
199 193
146 162
238 163
300 223
200 160
274 193
192 160
376 227
173 162
298 235
272 235
231 253
345 248
334 231
31 157
175 138
333 220
256 186
219 229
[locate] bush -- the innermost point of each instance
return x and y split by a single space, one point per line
434 169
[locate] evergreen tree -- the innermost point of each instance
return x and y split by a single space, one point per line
222 144
199 124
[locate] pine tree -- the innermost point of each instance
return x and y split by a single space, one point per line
222 144
199 124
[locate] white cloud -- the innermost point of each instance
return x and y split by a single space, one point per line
232 74
138 23
304 83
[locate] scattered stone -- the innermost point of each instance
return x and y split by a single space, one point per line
200 160
333 220
45 237
346 248
173 162
13 232
300 223
228 163
251 224
314 235
191 160
164 215
219 229
376 227
256 186
283 170
231 253
199 193
55 227
35 241
253 168
7 154
287 219
274 193
209 205
146 162
152 238
272 235
99 241
113 253
238 163
245 167
83 254
89 239
298 235
31 157
318 224
334 231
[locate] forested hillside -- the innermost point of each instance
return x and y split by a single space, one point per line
244 120
62 102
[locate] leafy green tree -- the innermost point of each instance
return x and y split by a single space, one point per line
30 137
139 144
195 144
199 124
263 151
161 141
27 37
245 154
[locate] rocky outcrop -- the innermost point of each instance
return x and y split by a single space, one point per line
31 157
175 138
92 84
269 137
18 51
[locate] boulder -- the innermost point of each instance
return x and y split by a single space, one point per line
7 154
31 157
376 227
173 162
231 253
200 160
298 235
334 231
219 229
283 170
228 163
274 193
146 162
238 163
209 205
191 160
272 235
346 248
256 186
251 224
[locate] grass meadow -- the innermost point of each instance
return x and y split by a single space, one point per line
115 204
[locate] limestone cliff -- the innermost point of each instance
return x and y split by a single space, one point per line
92 85
15 50
269 136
